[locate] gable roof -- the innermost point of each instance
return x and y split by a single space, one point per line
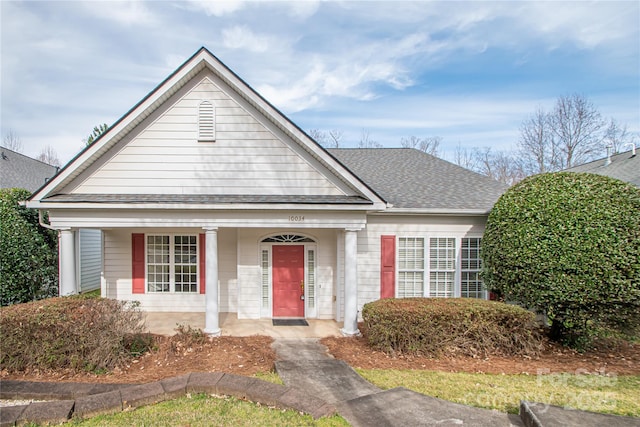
412 180
153 102
624 166
20 171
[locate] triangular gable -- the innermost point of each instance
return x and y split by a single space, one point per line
101 168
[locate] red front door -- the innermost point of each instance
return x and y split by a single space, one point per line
288 281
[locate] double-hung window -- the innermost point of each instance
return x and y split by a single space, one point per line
442 266
172 263
470 267
410 267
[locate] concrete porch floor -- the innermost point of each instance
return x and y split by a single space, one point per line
165 323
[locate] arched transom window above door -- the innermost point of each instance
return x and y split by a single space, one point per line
288 238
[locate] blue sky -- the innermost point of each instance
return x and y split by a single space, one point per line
469 72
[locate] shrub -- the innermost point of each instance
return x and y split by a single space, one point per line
28 252
568 245
433 326
78 333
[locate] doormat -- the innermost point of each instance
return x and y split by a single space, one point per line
289 322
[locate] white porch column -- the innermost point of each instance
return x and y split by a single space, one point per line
211 324
67 263
350 327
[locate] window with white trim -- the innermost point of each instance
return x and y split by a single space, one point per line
410 267
471 285
172 263
264 264
442 266
311 278
206 122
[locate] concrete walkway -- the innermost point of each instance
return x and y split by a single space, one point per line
305 364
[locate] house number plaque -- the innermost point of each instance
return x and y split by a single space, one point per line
296 218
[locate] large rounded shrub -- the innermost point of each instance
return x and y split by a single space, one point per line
28 252
568 245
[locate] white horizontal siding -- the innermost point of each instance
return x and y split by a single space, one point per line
403 226
167 158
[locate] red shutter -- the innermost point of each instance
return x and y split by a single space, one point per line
202 266
387 266
138 264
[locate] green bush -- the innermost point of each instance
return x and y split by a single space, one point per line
28 252
435 326
78 333
568 245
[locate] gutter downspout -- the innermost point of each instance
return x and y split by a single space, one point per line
42 224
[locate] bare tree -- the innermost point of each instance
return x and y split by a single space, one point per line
429 144
499 165
577 126
319 136
48 155
465 157
616 136
538 149
335 138
12 141
367 142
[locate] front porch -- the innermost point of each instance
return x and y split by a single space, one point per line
165 323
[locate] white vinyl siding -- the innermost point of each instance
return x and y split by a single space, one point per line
165 157
410 267
442 266
172 263
471 285
206 122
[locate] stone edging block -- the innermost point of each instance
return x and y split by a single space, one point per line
97 399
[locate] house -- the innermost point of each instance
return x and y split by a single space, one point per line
20 171
623 166
211 200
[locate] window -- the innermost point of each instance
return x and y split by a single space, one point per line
470 265
264 263
442 266
410 267
206 122
172 263
311 278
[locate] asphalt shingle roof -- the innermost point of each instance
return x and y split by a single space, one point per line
412 179
624 166
20 171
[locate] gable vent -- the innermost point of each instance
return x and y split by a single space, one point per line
206 122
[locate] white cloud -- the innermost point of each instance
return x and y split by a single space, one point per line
217 8
241 37
128 13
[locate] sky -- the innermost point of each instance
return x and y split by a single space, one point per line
469 72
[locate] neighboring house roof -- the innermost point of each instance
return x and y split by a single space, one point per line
623 166
20 171
410 179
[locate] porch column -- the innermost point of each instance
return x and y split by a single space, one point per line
211 325
67 263
350 327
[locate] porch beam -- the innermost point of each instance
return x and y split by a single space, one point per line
350 327
212 309
68 284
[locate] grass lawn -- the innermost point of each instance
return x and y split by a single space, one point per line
203 410
613 395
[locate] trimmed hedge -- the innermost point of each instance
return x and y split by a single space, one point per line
437 326
28 252
77 333
568 245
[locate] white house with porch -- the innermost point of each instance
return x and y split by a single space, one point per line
210 200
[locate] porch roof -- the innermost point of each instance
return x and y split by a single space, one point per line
206 199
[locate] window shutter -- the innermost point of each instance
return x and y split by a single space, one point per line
387 266
138 264
202 266
206 122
